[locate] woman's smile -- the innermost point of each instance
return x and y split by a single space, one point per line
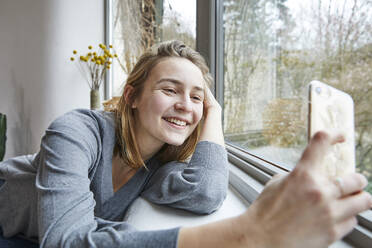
176 122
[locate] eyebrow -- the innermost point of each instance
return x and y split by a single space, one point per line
177 82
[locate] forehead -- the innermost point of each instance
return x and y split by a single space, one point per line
180 69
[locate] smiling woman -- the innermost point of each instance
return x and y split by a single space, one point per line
95 164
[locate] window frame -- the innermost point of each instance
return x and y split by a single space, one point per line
108 15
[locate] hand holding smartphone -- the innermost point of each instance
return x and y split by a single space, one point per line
332 110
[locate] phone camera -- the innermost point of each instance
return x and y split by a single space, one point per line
318 90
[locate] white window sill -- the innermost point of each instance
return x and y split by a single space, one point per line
163 217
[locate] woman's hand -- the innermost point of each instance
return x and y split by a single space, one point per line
210 102
305 208
212 122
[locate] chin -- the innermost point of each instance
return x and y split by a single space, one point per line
175 141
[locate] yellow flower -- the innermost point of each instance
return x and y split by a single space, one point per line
96 62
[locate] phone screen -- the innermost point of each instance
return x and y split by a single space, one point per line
332 110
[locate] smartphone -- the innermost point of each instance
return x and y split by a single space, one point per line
332 110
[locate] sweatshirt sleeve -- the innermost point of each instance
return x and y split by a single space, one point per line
65 202
199 186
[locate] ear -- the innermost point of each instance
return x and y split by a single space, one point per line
128 92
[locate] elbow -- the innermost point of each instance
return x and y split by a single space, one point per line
211 200
212 204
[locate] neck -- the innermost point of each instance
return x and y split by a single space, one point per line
146 154
147 147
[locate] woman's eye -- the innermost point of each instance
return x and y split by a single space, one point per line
170 91
197 98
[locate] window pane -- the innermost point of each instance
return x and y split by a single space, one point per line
273 49
139 24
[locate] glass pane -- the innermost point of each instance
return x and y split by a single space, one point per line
138 24
273 49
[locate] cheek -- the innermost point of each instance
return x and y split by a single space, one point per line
157 105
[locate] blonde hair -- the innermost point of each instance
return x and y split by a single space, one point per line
126 144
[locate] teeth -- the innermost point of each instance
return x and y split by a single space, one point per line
176 121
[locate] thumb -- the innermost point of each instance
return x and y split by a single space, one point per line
317 148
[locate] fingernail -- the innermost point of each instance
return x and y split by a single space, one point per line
364 181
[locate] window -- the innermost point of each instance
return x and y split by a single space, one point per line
139 24
272 50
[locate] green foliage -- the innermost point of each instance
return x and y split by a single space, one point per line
369 188
349 71
2 135
284 122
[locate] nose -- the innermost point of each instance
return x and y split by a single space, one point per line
184 104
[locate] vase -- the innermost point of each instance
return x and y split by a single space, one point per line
95 102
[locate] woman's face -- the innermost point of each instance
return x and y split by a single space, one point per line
171 104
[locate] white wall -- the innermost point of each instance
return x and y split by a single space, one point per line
37 80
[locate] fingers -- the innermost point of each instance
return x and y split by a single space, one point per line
344 228
317 148
349 184
352 205
277 178
208 94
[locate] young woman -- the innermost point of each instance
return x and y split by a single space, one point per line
92 165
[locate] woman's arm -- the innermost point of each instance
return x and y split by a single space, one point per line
199 186
303 209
